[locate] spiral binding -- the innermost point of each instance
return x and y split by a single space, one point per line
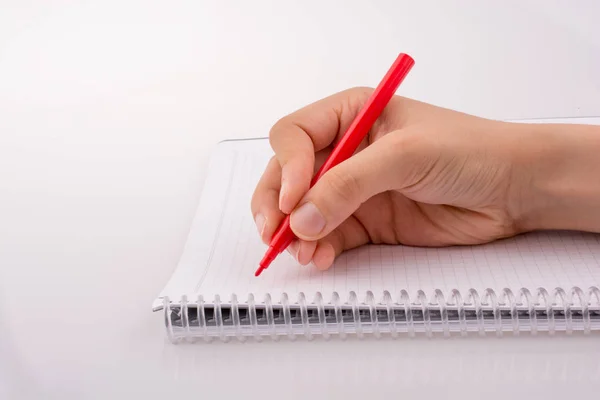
491 312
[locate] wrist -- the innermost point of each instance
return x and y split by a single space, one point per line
557 176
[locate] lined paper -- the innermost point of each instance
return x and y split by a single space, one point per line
223 251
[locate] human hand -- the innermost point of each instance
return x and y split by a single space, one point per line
424 176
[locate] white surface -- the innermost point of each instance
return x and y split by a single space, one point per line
108 111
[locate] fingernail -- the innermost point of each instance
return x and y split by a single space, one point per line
297 252
308 220
282 194
294 249
260 220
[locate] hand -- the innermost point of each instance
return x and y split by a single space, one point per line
424 176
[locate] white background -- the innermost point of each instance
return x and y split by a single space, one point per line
108 113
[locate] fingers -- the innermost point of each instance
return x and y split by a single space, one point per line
349 235
345 187
306 251
296 155
297 137
322 253
264 201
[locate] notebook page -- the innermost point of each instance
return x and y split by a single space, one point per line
224 249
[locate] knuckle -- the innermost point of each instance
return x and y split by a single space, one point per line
274 167
356 98
273 163
361 91
343 185
359 95
280 127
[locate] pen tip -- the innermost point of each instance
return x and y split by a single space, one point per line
265 262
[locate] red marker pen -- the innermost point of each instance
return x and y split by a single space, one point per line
346 146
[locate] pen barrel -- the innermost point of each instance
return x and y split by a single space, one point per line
283 236
352 138
368 114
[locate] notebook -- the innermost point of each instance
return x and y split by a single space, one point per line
536 282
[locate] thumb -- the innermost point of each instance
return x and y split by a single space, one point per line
342 189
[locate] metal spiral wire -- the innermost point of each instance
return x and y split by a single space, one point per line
440 313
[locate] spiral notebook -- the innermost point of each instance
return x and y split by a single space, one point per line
543 281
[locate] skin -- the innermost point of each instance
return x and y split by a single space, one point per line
424 176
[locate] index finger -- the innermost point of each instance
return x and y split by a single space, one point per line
297 137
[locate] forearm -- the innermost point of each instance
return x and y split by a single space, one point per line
559 166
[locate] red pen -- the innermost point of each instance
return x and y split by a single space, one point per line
346 146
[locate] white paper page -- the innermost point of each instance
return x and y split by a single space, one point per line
223 251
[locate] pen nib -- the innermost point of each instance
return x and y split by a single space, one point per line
265 262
